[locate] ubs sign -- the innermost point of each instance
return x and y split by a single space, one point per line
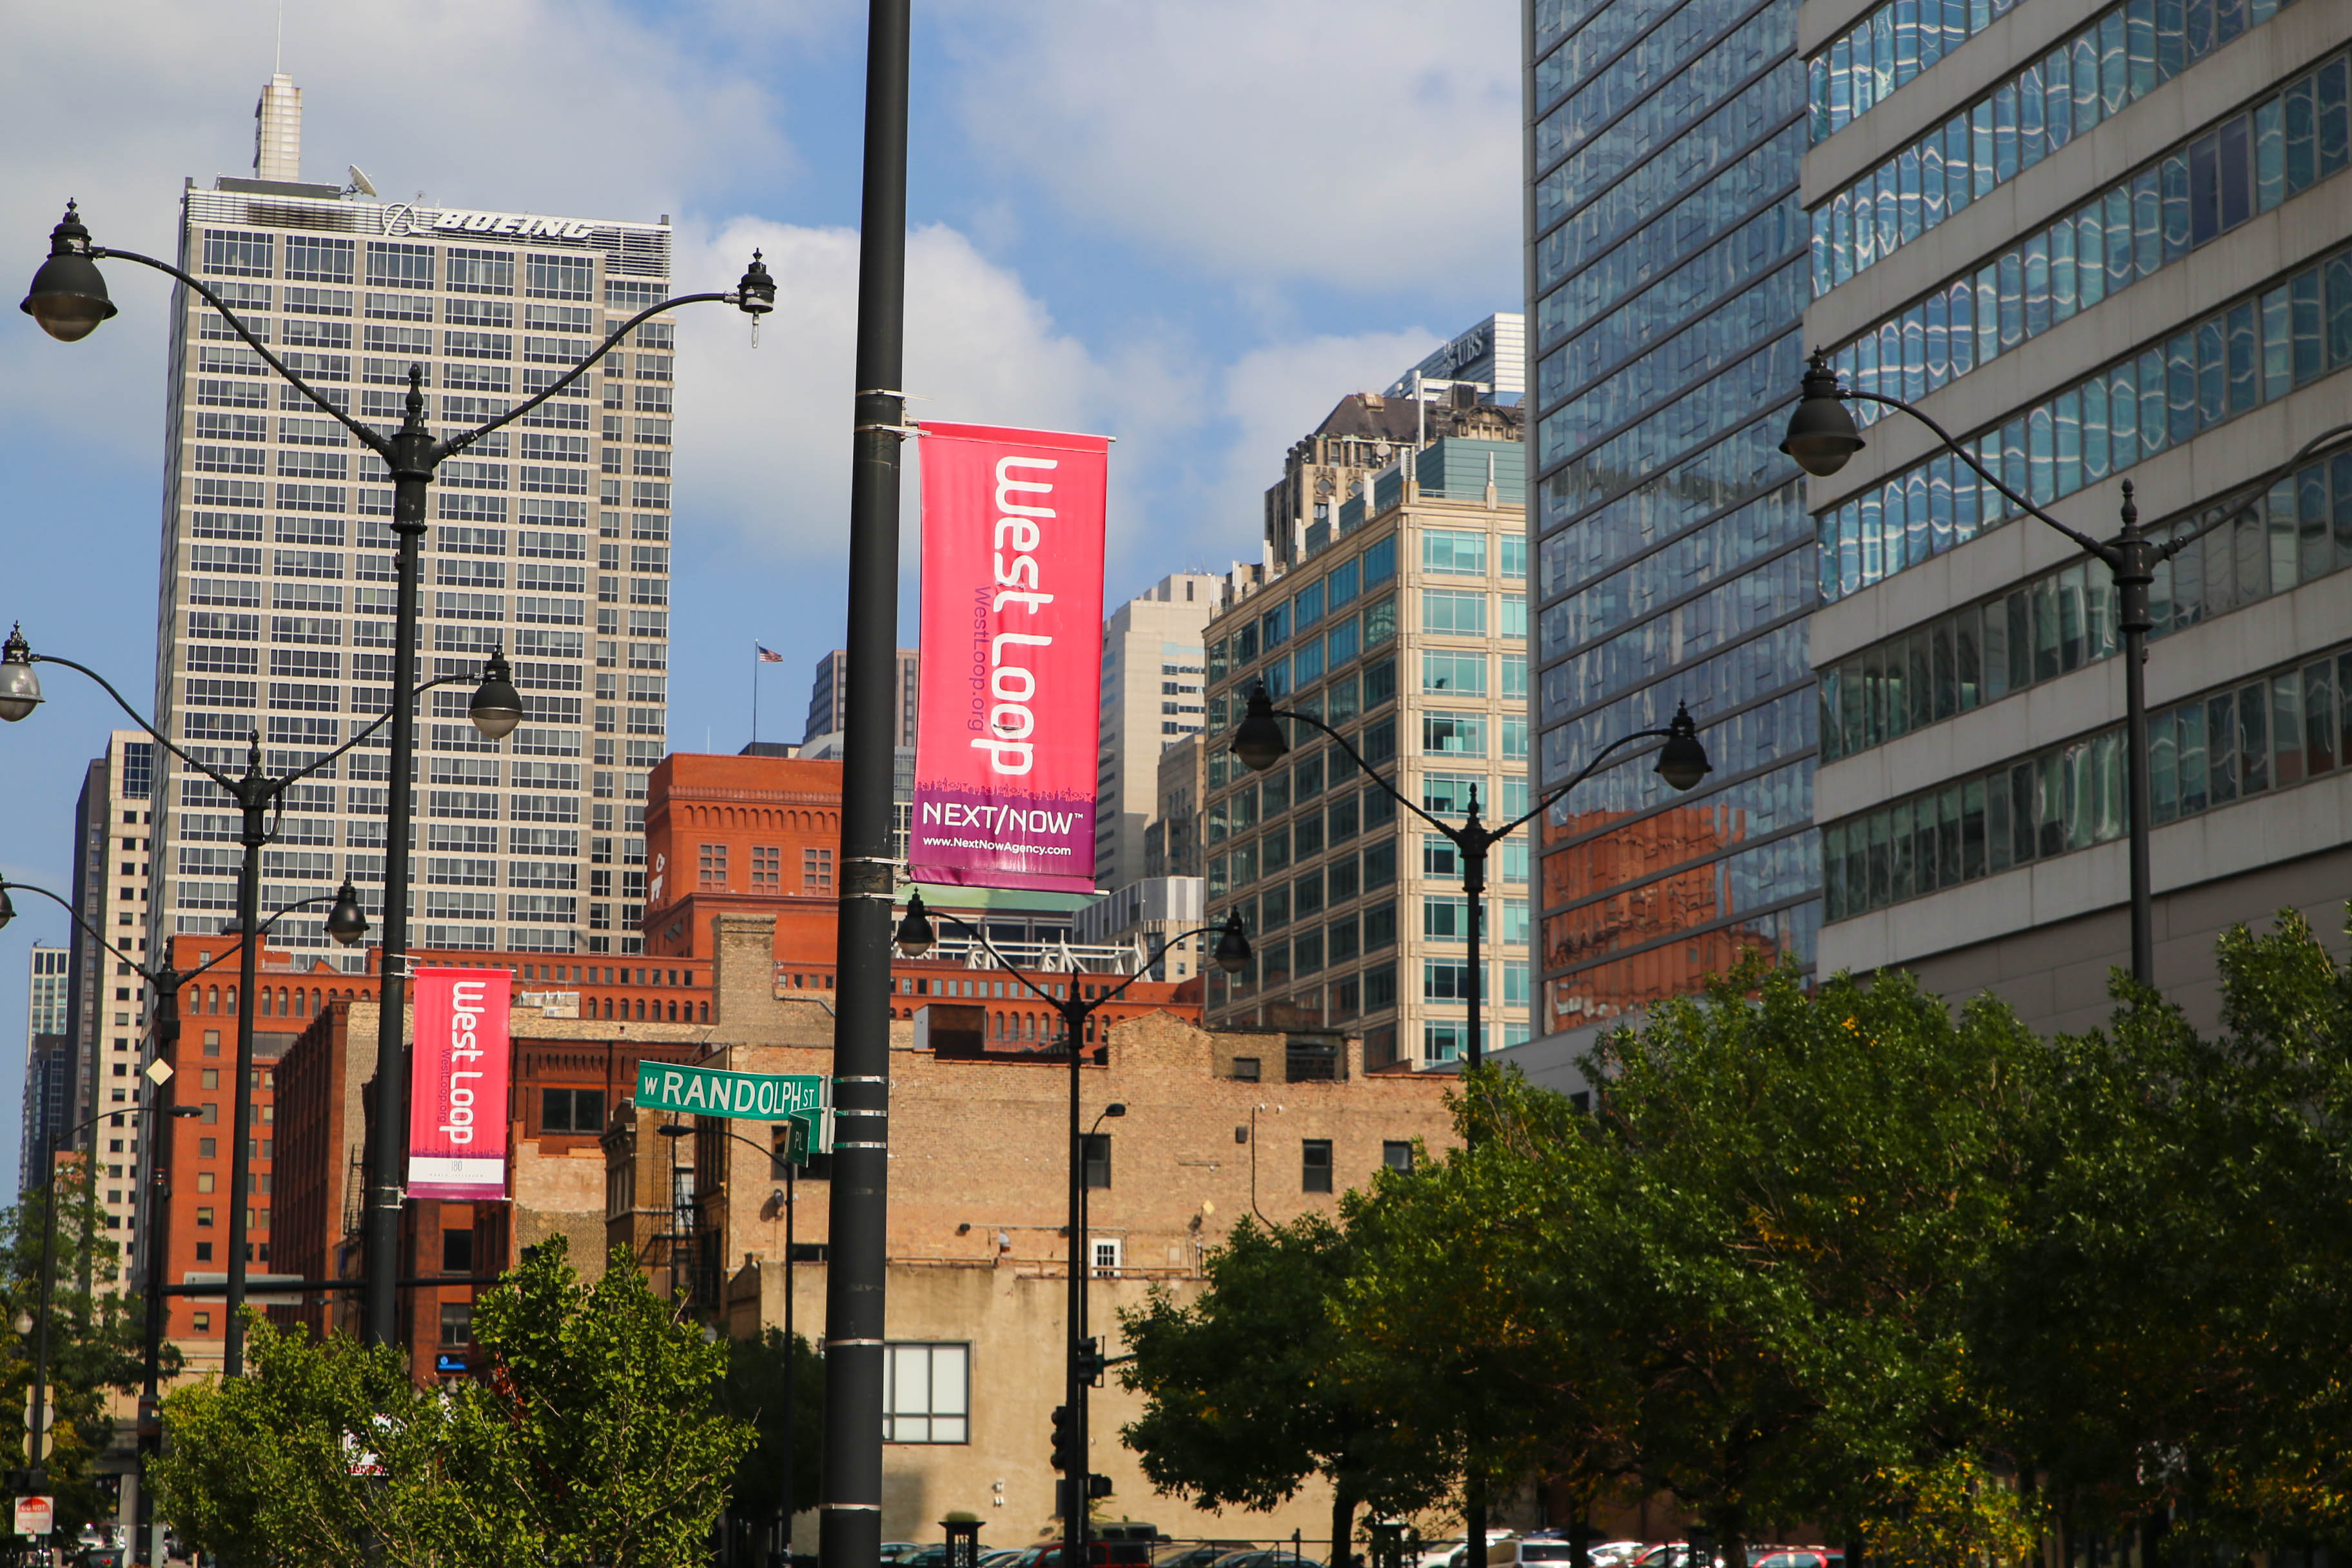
1466 350
455 222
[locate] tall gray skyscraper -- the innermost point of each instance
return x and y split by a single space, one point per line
550 539
2099 245
1667 274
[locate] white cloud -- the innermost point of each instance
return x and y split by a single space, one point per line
1372 143
1275 395
564 106
763 436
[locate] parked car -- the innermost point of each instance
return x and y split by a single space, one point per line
1193 1554
1672 1554
895 1551
1799 1557
1260 1557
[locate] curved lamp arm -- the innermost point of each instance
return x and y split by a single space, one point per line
74 915
2090 545
1163 952
1582 774
458 443
223 956
377 444
139 719
1369 771
380 721
2261 483
1043 994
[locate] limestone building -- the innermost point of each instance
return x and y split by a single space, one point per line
1401 620
548 538
2100 245
1151 698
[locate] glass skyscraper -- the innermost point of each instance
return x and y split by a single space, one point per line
1667 273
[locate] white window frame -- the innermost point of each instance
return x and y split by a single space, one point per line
945 1413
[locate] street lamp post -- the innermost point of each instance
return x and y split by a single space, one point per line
69 298
1822 437
495 710
1259 743
347 923
1231 954
38 1418
791 1381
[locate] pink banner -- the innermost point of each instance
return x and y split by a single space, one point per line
458 1084
1013 584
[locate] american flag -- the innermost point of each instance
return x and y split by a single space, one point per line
767 656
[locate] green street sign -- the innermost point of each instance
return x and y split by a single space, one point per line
750 1096
795 1149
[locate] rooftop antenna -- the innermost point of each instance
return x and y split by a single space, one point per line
361 182
278 46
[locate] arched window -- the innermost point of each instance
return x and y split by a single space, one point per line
706 1012
212 994
231 998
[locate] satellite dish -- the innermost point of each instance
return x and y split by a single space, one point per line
360 182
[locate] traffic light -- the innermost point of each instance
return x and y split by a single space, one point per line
1090 1361
1066 1441
1097 1486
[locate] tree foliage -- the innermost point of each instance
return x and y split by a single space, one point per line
1250 1390
1845 1257
589 1441
97 1339
752 1392
1732 1283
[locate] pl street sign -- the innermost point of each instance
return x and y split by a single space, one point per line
748 1095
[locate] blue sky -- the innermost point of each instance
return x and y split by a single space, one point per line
1190 224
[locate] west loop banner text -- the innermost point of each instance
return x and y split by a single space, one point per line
1012 638
457 1085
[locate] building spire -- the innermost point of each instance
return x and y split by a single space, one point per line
278 130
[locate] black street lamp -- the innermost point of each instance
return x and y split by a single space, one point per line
1084 1361
347 923
1259 743
37 1417
69 298
1822 438
790 1195
256 794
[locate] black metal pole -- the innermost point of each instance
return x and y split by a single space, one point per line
792 1369
2131 560
850 1534
38 1421
1079 1478
1471 842
155 1236
254 798
412 478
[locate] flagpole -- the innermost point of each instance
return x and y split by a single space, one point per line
756 662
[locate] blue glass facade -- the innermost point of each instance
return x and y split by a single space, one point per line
1668 268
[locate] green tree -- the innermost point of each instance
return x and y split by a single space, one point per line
2165 1321
590 1439
95 1338
752 1392
1247 1389
1741 1281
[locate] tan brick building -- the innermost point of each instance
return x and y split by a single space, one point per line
1216 1126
